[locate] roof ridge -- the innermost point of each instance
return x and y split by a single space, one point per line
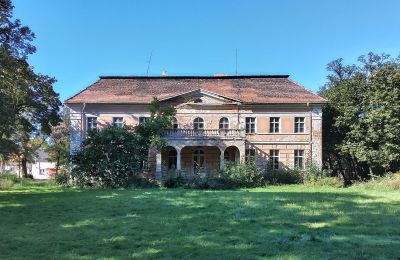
195 77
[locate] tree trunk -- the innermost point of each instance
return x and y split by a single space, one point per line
57 164
24 167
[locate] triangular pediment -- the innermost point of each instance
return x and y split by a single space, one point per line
199 97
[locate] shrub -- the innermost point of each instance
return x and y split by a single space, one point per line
196 182
234 176
389 181
173 179
108 158
142 181
114 156
313 172
242 175
61 178
174 182
326 181
283 176
9 176
7 180
5 184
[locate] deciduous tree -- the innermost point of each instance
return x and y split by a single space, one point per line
28 103
361 121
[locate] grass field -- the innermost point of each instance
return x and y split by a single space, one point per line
297 222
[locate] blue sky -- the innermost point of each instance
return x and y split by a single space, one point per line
78 40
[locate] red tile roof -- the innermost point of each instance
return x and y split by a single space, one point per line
247 89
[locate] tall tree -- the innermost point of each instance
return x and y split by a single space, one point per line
58 147
28 103
361 121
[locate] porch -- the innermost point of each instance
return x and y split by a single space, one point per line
199 160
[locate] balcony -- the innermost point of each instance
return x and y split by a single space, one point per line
205 133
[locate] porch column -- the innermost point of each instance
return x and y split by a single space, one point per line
178 159
158 166
242 153
221 160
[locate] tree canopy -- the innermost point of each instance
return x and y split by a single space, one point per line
361 122
28 103
115 156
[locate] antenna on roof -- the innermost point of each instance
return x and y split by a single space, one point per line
236 64
148 64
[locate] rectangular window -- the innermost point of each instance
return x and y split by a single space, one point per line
299 124
91 123
175 124
118 121
143 119
250 155
274 159
250 124
274 124
299 159
144 165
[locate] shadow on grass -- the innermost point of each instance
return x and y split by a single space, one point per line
199 224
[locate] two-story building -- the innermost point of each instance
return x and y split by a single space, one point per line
267 118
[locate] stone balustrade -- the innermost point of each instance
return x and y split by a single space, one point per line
205 133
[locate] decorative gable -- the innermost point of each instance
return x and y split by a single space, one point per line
199 97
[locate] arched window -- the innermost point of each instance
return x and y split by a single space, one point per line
226 155
175 124
198 123
172 156
198 161
224 123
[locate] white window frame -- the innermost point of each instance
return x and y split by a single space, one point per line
175 124
296 124
299 155
198 153
143 118
202 122
274 158
88 121
227 123
250 155
118 124
255 124
273 129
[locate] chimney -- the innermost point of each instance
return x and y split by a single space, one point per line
164 73
220 75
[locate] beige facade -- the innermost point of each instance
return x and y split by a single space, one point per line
277 134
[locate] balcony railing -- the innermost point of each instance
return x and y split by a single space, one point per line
209 133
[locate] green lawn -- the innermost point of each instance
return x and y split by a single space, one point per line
294 222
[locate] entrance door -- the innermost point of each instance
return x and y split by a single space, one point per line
198 163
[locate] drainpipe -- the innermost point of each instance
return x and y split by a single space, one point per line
82 124
310 140
238 117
